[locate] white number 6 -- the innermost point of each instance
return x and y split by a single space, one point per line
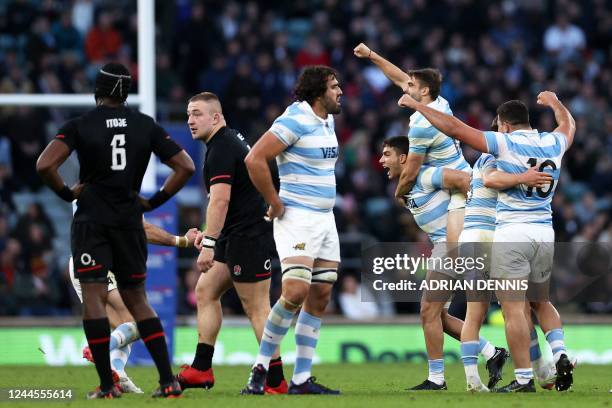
118 153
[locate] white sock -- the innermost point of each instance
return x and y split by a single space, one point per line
523 375
486 349
436 371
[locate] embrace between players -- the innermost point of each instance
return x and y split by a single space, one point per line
237 244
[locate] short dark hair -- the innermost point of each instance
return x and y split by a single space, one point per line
312 82
513 112
206 97
113 81
400 143
493 127
429 77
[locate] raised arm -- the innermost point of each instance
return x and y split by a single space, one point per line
500 180
408 176
447 124
266 149
457 180
394 73
565 122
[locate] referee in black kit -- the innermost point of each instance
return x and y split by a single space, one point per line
236 246
114 144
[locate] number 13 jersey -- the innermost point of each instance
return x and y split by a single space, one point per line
516 152
113 146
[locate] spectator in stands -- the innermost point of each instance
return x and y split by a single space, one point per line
103 40
563 39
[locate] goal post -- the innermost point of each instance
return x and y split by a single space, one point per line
144 99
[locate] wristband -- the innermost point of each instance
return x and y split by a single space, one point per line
208 242
158 198
66 194
181 242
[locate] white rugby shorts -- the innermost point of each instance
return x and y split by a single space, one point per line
523 251
307 233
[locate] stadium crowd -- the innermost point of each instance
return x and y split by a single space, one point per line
249 53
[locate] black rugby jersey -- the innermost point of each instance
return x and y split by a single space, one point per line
113 146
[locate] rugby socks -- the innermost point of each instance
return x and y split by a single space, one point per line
436 371
152 334
123 335
469 356
119 358
203 357
275 373
97 332
275 330
307 331
534 348
486 348
557 343
523 375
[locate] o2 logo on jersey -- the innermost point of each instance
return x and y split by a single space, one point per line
86 259
329 152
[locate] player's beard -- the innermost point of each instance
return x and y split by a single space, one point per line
332 107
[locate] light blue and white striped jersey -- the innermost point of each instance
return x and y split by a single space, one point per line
430 206
439 150
306 166
481 201
516 152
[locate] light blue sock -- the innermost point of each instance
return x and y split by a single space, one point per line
436 371
123 335
469 356
557 343
119 358
307 331
275 330
534 349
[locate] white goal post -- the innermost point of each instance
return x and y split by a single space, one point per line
144 99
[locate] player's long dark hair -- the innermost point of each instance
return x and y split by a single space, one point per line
113 81
312 82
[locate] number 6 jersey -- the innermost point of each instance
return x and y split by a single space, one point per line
516 152
113 145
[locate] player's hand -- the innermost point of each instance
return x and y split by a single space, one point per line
362 51
197 242
275 211
407 101
191 236
76 190
547 98
144 203
205 259
535 178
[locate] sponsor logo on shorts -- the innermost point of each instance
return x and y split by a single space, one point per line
300 247
267 264
86 259
237 270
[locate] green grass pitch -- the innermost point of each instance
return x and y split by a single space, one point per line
362 385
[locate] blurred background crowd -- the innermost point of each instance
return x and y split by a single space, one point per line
250 53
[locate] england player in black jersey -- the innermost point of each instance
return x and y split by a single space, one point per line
236 246
113 145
